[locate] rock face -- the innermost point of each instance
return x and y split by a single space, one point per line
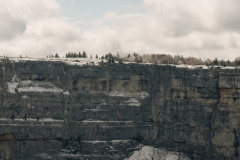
52 110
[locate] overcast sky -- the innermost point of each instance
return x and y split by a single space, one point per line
200 28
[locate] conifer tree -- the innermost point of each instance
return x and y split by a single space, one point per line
84 55
56 55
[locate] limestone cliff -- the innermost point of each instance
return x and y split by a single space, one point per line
113 111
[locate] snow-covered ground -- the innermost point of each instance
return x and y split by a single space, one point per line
95 61
70 61
203 67
150 153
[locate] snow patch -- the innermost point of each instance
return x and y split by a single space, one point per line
150 153
5 119
132 102
192 66
13 84
25 96
119 141
49 120
229 67
16 85
93 142
99 121
203 66
208 109
144 94
26 83
32 120
45 156
11 87
94 110
82 61
140 95
117 94
39 89
113 141
66 93
69 61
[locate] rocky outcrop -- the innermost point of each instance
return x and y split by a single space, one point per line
117 111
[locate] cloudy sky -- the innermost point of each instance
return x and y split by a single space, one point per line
200 28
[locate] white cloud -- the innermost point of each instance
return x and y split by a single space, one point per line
206 29
46 36
16 14
35 28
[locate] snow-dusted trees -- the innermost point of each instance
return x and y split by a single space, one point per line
158 59
75 55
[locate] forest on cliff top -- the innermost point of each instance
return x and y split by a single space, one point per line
153 58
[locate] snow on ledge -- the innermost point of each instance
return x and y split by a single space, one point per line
150 153
140 95
99 121
66 93
32 120
132 102
25 96
16 85
113 141
39 89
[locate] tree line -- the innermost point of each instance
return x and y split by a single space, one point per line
153 58
76 55
169 59
69 55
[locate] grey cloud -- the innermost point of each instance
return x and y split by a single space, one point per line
228 15
34 28
11 27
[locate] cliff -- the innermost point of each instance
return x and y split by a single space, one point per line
54 110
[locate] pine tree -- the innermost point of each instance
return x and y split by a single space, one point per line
56 55
215 62
84 55
74 54
71 55
96 56
79 55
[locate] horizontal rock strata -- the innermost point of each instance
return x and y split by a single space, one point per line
117 111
